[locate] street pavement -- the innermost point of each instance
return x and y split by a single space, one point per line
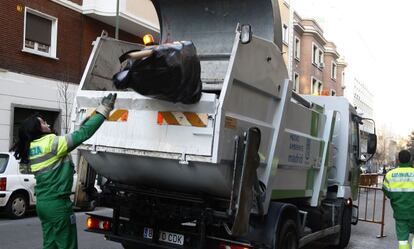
26 233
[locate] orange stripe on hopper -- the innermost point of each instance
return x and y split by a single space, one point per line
169 118
194 119
118 114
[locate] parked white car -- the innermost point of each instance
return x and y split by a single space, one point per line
16 187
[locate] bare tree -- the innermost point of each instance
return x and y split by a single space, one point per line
65 100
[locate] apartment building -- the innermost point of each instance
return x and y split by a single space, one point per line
317 67
284 7
45 46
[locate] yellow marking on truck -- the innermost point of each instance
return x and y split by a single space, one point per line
182 119
118 115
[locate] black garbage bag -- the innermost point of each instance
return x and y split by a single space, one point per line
171 72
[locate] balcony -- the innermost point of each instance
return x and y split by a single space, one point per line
137 17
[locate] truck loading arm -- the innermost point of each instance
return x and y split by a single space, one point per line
210 24
326 160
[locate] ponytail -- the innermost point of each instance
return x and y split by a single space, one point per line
29 130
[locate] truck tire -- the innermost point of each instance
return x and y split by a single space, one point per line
288 236
345 233
17 206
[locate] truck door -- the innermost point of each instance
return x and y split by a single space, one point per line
354 156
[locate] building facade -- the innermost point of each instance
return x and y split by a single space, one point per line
285 16
45 46
317 67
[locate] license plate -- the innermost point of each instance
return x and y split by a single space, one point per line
148 233
173 238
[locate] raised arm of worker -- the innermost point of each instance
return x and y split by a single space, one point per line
48 154
67 143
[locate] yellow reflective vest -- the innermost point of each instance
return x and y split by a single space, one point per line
399 188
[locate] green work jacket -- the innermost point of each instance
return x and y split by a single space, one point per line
399 188
51 164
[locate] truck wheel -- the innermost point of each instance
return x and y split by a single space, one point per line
345 233
288 236
17 206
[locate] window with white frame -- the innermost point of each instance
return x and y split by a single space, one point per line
40 33
316 87
333 70
296 82
333 92
317 56
285 34
297 48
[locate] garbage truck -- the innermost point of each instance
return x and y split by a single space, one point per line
251 164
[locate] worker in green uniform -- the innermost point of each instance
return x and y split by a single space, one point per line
399 188
47 155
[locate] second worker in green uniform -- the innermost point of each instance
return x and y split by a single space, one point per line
399 188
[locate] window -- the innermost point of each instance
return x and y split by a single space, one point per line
40 33
285 34
4 159
317 56
296 82
297 48
333 71
316 87
333 92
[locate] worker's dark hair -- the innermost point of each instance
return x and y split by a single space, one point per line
29 130
404 156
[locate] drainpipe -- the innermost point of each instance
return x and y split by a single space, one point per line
117 20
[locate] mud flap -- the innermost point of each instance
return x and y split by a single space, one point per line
355 215
85 185
247 192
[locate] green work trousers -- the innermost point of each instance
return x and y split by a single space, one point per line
404 228
58 224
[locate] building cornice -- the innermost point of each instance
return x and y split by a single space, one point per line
318 36
335 53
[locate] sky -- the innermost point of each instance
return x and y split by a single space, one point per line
376 39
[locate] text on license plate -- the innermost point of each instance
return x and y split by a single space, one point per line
173 238
148 233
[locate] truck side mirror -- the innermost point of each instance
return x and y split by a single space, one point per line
372 144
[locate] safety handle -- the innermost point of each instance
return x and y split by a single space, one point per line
140 54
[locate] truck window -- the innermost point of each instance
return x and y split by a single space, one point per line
4 159
355 140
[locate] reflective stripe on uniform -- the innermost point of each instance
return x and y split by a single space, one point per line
400 190
54 165
403 245
401 179
69 140
49 167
